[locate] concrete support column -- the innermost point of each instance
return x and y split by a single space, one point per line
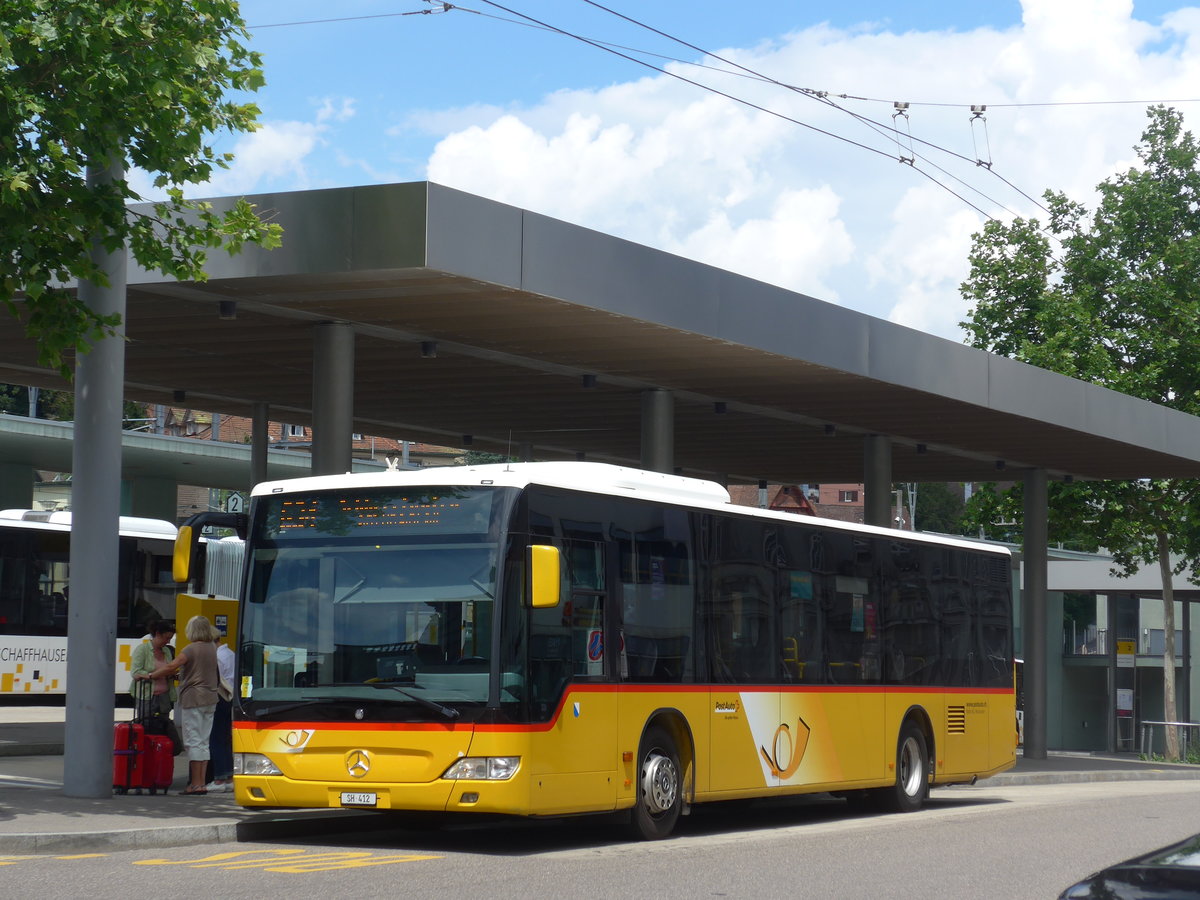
95 501
333 398
260 442
16 486
658 430
877 480
1033 613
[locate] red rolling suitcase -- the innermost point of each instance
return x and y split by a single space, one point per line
141 760
129 753
158 768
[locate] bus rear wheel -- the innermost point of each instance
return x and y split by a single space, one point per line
659 787
912 772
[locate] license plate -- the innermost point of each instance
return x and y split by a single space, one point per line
359 799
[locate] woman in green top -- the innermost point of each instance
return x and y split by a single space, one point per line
148 656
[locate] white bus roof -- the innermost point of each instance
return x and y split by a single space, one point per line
599 478
60 520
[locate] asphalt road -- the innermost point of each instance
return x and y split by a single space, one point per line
1014 842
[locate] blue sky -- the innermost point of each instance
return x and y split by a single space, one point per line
471 99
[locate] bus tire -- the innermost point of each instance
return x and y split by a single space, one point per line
659 787
912 772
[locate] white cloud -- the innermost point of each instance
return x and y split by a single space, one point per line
275 152
340 110
276 155
662 163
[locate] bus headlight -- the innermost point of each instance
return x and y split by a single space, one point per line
484 768
254 764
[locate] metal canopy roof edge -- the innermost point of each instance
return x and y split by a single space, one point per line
522 305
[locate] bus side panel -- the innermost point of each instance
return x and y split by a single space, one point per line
1004 732
979 733
31 664
899 703
765 741
637 705
572 766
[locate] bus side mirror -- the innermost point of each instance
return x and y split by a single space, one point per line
189 534
181 561
544 565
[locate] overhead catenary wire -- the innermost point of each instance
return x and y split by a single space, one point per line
822 96
443 7
827 97
748 103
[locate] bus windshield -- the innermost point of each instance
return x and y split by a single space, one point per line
384 596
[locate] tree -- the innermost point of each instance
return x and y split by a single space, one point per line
1118 305
55 405
82 82
939 508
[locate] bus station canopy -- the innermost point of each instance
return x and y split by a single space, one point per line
476 318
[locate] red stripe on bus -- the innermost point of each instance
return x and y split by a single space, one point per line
535 727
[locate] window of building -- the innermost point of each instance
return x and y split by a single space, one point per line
847 496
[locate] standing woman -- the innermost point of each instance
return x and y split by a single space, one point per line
148 656
197 694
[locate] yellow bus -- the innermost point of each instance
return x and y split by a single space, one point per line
548 639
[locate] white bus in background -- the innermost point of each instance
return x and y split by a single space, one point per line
35 590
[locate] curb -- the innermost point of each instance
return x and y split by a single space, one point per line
1008 780
16 749
224 832
130 839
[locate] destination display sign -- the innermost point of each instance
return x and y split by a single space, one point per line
344 513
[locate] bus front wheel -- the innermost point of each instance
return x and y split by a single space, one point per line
659 787
912 772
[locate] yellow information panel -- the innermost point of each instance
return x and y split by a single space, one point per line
221 611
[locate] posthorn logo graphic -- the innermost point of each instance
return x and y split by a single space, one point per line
296 740
787 749
358 763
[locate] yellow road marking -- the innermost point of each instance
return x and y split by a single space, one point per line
290 861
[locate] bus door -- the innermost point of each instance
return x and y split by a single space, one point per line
572 666
854 698
751 747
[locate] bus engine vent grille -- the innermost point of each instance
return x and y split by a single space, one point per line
956 719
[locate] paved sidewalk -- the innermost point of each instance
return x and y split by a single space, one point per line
37 818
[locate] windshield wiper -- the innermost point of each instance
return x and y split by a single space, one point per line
287 707
448 711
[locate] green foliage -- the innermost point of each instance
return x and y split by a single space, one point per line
1120 307
939 508
54 405
483 458
85 80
